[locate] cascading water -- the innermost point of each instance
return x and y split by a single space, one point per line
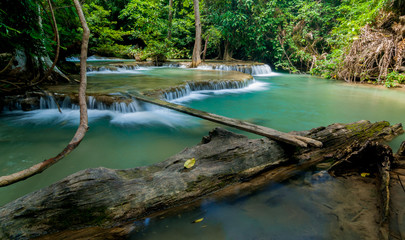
255 70
93 104
261 70
189 87
112 69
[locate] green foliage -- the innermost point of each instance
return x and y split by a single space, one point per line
103 36
296 35
148 22
354 14
20 24
145 19
389 83
394 77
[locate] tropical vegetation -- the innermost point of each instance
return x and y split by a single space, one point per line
319 37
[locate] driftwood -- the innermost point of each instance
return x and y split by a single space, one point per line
296 140
226 163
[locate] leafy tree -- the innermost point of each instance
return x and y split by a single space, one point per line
104 37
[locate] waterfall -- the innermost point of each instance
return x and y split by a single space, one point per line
92 59
255 70
120 104
129 106
177 92
107 69
189 87
261 70
172 65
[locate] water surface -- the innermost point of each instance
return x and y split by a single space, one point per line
119 140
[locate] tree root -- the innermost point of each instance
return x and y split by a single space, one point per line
374 53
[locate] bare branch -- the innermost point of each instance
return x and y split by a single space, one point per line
8 65
81 130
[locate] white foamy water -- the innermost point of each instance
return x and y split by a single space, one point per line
202 94
118 71
130 69
254 70
96 59
70 117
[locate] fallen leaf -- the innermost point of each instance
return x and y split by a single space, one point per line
189 163
365 174
198 220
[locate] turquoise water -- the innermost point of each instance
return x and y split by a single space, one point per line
117 140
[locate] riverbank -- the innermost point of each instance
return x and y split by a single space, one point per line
397 87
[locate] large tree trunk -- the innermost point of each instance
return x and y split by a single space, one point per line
226 163
196 58
169 32
227 52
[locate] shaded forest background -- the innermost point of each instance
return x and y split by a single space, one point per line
342 39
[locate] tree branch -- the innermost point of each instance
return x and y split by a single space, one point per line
8 65
81 130
56 32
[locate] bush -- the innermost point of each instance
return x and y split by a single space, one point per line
393 77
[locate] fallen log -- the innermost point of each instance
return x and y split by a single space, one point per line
103 198
300 141
396 221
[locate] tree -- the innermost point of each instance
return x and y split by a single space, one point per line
29 45
81 130
196 58
169 33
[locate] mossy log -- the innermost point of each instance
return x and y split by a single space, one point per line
103 199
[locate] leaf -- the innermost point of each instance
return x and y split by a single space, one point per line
198 220
365 174
189 163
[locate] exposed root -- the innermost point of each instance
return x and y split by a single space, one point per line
375 52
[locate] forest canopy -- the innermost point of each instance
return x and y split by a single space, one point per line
295 35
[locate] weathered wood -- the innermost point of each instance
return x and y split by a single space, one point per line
300 141
102 198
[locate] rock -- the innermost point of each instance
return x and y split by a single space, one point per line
401 150
29 103
104 198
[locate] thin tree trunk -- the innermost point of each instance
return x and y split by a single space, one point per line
245 126
196 59
205 47
169 33
81 130
56 32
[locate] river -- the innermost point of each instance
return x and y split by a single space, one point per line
125 139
